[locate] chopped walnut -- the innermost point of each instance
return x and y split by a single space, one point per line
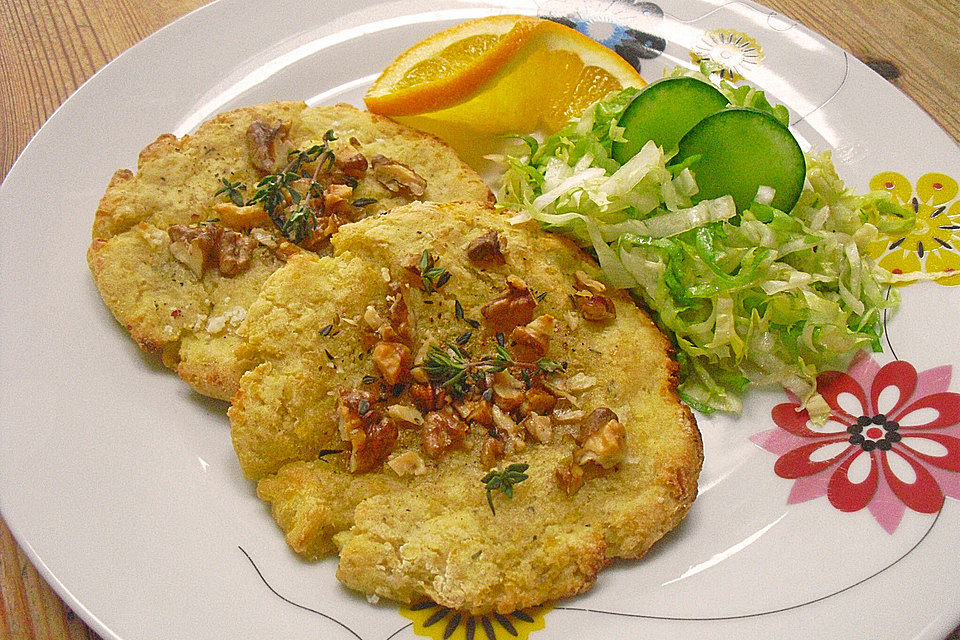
538 401
491 451
593 307
242 218
408 463
336 199
513 307
371 445
441 432
207 245
508 392
405 414
192 245
393 360
426 396
601 440
487 250
399 314
479 411
539 427
533 340
570 476
506 425
592 423
350 161
372 318
397 177
268 145
233 252
568 416
372 436
585 282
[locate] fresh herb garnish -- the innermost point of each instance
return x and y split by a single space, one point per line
327 452
504 481
431 276
275 190
325 331
550 366
232 191
453 369
448 367
368 379
363 202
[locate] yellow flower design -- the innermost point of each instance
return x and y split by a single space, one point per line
732 51
933 244
430 620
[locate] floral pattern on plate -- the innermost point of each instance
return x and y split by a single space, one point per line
433 621
734 52
933 244
892 441
632 44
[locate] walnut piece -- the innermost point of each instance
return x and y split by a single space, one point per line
586 283
539 427
487 250
508 392
208 245
538 401
336 199
350 161
426 396
532 340
372 435
233 252
570 476
511 308
491 452
408 463
192 245
397 177
393 360
601 440
441 432
242 218
404 413
268 145
479 411
593 307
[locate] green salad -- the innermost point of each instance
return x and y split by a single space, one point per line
750 254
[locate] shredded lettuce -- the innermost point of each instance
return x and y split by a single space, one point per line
763 297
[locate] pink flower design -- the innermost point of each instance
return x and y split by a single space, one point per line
892 441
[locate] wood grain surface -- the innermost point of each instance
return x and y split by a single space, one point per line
47 49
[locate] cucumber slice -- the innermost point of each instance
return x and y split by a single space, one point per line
664 112
741 149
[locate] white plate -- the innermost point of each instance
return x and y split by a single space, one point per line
121 484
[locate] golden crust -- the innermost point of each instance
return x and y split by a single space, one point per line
433 535
192 322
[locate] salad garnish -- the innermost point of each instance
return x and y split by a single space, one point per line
750 295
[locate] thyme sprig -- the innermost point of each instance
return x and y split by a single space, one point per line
232 190
276 189
431 276
452 368
504 481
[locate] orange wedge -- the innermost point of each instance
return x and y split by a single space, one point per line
499 74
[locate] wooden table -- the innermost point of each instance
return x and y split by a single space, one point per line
47 48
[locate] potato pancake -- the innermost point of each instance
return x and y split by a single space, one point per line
181 248
461 410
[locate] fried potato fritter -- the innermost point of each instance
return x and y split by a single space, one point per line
166 293
390 475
